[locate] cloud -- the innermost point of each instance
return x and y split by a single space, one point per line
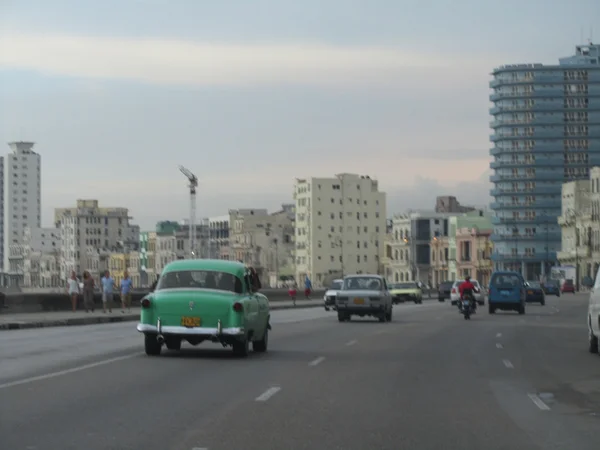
169 61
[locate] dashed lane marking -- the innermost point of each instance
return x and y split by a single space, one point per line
508 364
538 402
317 361
268 394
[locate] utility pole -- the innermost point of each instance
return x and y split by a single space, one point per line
193 185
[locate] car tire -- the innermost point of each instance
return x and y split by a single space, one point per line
173 343
261 346
440 299
592 342
388 316
151 346
543 302
326 308
241 348
491 309
521 309
343 317
382 317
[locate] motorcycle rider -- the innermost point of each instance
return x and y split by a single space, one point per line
467 288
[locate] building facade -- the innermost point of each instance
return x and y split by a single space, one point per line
399 264
340 227
218 237
21 195
479 220
580 225
546 122
473 256
90 226
439 260
41 258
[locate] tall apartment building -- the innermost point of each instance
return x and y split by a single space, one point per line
546 122
340 227
21 196
89 226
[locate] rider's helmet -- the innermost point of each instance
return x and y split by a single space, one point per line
468 278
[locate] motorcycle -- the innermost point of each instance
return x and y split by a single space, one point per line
466 307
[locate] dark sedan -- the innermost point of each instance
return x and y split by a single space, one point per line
551 288
444 290
535 293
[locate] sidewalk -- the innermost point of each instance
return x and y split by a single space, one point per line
66 318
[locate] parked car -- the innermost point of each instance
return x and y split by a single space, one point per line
535 293
455 293
199 300
410 291
364 295
329 297
568 286
444 290
551 287
593 318
506 292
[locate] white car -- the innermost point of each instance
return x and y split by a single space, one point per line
455 294
329 297
593 319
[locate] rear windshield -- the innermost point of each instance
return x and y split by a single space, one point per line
200 279
568 282
505 280
362 283
534 284
446 285
405 286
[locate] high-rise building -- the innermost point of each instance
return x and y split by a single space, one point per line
546 121
21 196
340 227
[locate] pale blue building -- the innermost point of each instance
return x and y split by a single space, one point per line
546 122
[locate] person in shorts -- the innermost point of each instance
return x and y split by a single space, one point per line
126 286
108 284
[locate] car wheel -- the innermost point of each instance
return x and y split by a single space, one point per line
173 343
543 302
241 348
342 317
491 309
388 316
521 309
593 342
261 346
151 346
440 299
382 317
326 308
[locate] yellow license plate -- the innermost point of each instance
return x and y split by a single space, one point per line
359 301
530 292
190 322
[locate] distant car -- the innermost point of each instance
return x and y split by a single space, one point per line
507 292
329 297
455 292
444 290
534 293
364 295
593 318
410 291
568 286
199 300
551 287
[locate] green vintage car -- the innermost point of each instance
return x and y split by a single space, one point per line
409 291
201 300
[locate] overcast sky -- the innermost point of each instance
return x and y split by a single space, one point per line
252 94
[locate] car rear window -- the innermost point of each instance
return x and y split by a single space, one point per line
200 279
446 285
505 279
362 283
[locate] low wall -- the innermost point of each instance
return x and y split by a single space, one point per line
36 302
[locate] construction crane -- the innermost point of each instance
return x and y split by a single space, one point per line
193 179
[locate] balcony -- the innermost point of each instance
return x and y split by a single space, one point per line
523 258
541 236
521 220
538 204
557 175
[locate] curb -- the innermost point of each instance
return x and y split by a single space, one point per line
107 319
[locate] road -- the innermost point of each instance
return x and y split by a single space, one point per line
427 380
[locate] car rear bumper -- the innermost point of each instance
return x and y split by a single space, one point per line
183 331
352 309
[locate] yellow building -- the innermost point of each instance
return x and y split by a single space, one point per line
118 264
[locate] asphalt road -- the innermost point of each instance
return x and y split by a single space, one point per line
427 380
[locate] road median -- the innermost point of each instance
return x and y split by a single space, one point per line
65 318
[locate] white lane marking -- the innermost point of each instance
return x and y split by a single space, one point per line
508 364
538 402
267 394
352 342
68 371
499 345
499 335
317 361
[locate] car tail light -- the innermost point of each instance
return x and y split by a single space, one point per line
238 307
454 290
145 303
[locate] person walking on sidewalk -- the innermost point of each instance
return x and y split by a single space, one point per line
88 291
307 287
107 291
73 289
126 286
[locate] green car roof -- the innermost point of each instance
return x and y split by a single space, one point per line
218 265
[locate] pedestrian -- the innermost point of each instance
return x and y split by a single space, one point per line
88 291
307 287
107 291
73 290
126 285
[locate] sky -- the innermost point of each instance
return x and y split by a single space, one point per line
250 95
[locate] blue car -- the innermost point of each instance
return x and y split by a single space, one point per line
507 292
551 288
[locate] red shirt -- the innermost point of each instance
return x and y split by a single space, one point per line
466 285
